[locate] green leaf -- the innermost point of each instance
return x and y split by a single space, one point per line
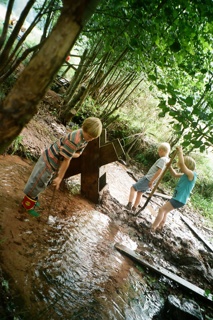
172 101
177 126
161 86
189 101
161 114
188 136
162 105
176 46
202 148
197 143
185 143
152 77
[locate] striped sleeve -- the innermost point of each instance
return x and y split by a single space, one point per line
72 143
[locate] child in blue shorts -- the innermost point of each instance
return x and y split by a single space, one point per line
150 179
182 191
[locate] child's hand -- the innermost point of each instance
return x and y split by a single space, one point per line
150 184
56 182
179 149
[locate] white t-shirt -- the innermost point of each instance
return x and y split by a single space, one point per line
159 164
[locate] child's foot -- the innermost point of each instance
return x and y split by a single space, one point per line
159 229
129 206
22 211
33 213
134 210
29 205
152 230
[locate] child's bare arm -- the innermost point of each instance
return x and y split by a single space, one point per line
61 172
182 165
174 173
156 175
76 155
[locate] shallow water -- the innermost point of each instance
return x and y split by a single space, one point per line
84 277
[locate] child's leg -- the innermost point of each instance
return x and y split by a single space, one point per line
138 199
39 179
162 214
161 225
36 183
131 197
132 194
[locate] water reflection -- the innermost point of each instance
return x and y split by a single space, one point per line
84 277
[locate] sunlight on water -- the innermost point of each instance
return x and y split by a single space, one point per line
83 276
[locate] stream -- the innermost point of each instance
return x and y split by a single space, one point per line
80 275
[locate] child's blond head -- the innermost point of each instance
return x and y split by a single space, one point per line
189 162
165 147
92 126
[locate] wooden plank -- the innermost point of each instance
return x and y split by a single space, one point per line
102 181
107 154
74 167
184 283
90 171
118 147
156 194
196 232
103 137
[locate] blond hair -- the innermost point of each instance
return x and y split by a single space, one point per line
92 126
165 146
189 162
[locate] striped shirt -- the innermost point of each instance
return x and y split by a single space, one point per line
65 148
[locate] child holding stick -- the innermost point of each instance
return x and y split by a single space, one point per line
182 191
150 179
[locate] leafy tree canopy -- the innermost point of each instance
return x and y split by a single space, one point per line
171 42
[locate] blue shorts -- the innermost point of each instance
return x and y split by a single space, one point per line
176 204
142 185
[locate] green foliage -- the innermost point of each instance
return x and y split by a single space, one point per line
208 293
88 109
203 205
6 86
204 185
5 285
147 156
173 49
121 129
19 149
192 117
17 144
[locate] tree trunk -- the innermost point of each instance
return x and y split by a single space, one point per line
21 103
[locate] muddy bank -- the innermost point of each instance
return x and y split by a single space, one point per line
66 259
65 264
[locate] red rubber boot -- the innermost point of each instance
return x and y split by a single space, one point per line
29 205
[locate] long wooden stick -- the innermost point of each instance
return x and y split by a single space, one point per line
157 184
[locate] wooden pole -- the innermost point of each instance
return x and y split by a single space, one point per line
157 184
162 271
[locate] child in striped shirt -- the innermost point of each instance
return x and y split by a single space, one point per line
55 160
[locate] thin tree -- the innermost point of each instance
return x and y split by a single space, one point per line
21 103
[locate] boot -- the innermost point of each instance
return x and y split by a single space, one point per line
29 204
129 206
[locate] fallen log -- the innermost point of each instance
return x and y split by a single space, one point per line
184 283
162 195
196 232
